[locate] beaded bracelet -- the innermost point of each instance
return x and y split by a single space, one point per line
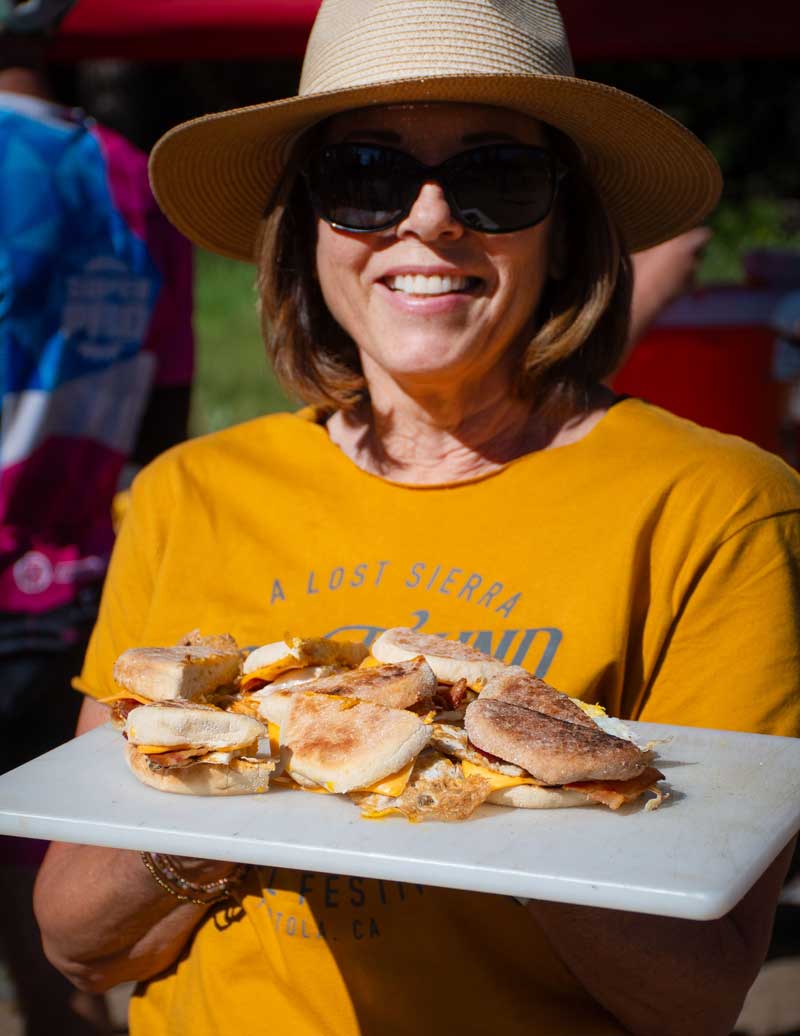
166 866
201 893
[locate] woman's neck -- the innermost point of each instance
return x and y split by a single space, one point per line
428 439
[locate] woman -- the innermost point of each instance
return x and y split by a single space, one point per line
443 270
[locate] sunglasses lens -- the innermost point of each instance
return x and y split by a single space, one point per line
360 187
499 189
495 189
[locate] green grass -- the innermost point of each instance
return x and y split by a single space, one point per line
742 226
233 381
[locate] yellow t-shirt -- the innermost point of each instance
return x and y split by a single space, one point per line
652 566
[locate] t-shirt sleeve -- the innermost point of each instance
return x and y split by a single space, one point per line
731 658
128 588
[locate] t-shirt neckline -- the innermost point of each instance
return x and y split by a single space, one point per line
317 418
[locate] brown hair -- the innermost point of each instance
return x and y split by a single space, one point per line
582 316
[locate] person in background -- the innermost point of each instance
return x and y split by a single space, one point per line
662 274
97 358
779 270
786 371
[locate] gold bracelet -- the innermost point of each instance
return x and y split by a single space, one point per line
165 865
213 892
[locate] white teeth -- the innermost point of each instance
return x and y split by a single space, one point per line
419 284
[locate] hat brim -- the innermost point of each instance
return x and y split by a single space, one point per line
214 175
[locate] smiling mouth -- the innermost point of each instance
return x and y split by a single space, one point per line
419 284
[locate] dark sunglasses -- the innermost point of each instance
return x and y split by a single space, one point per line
494 189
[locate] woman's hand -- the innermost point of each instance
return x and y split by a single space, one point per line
661 976
104 918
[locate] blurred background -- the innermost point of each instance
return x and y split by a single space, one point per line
726 70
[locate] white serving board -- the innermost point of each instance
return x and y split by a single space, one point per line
735 803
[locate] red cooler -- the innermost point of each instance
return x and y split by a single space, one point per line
709 359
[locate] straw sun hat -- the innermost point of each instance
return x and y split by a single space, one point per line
214 175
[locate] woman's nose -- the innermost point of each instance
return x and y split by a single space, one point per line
430 217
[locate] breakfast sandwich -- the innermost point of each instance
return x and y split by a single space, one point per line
402 685
540 749
197 668
318 656
193 749
340 744
450 660
343 719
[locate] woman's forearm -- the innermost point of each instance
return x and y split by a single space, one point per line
104 919
662 976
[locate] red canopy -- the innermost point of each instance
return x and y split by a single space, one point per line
185 29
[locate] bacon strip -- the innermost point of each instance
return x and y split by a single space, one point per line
120 709
248 684
180 757
616 793
449 697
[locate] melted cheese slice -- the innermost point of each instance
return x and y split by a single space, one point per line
121 692
297 653
159 749
496 780
267 673
274 738
287 780
371 662
345 701
393 785
249 747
